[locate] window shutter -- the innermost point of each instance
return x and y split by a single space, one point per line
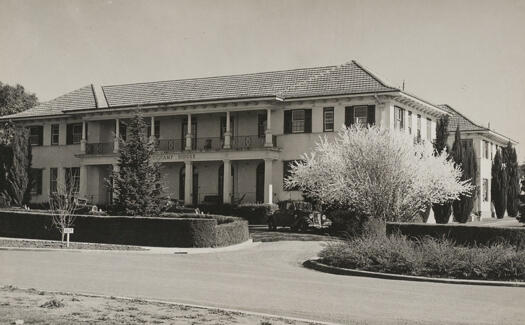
287 121
40 135
371 115
349 116
307 121
69 134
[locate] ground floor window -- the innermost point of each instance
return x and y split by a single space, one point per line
485 190
36 186
53 178
73 179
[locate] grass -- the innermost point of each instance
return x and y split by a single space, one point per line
29 306
427 257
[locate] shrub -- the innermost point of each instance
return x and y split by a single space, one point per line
427 257
380 173
499 185
461 234
254 213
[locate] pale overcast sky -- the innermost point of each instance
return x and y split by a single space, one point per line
469 54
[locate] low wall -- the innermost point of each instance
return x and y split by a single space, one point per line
161 232
461 234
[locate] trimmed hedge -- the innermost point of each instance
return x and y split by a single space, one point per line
254 213
232 233
460 234
187 231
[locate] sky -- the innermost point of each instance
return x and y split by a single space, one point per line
468 54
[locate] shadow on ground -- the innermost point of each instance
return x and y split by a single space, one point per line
260 233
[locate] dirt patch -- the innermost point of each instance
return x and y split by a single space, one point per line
22 243
38 307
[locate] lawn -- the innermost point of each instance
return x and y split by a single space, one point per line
38 307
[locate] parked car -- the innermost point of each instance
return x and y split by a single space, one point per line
298 215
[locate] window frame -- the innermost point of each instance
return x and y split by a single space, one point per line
55 127
36 136
399 118
356 118
302 130
75 173
325 111
429 129
36 178
53 180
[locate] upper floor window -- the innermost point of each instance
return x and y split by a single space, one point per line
485 149
328 119
399 118
429 129
36 135
55 134
36 179
74 133
362 115
298 121
409 122
298 117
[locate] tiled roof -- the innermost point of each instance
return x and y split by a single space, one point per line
349 78
464 123
82 98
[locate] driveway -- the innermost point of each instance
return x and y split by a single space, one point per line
267 278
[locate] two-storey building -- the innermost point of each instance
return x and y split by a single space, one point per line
227 139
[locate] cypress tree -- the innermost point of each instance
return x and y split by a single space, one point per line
17 166
136 186
498 190
464 156
443 211
513 179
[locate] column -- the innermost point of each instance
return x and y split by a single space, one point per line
116 169
227 182
268 133
188 135
117 136
152 135
83 141
268 187
227 134
82 191
188 183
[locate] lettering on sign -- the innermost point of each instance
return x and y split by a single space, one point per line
171 156
68 230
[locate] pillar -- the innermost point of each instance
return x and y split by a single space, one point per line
188 135
268 187
152 134
268 133
227 134
188 183
227 182
83 141
82 191
117 136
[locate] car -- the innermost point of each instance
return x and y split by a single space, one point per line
298 215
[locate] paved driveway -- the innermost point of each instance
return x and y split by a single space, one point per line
267 278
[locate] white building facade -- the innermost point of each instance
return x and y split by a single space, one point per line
224 139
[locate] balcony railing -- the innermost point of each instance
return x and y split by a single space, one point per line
243 142
99 148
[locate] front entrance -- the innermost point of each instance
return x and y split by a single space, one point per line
259 183
182 181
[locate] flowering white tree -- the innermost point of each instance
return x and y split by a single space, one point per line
378 173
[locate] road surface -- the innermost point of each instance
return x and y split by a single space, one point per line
267 278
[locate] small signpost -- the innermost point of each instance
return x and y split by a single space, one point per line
68 231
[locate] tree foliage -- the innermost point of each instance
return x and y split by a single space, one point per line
443 211
378 173
499 184
15 99
463 155
15 165
136 185
513 179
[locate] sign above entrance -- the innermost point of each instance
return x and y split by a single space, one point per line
175 156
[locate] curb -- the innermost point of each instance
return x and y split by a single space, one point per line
318 266
146 249
233 310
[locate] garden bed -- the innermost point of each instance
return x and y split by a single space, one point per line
185 230
429 257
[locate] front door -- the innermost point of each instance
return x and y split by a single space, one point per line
259 183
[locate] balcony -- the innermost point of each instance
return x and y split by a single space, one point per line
204 144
